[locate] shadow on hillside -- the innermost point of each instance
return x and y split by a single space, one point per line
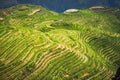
117 76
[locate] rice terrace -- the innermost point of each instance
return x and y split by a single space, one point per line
77 44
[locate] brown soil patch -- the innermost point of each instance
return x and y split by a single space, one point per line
5 13
1 19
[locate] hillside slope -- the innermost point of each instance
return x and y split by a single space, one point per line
38 44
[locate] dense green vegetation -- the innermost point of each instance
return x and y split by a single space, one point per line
45 45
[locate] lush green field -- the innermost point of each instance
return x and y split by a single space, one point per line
45 45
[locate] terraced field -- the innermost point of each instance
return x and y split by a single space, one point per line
51 46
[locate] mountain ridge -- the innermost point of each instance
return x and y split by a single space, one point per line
55 5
